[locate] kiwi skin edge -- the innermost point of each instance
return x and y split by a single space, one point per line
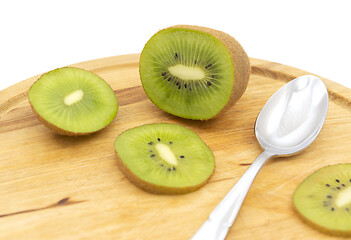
56 129
241 62
153 188
322 229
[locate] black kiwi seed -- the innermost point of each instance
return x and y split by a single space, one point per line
177 83
181 156
209 65
327 185
332 209
164 73
329 196
169 79
174 168
338 188
153 155
213 76
170 142
179 86
195 61
185 85
343 185
337 180
346 209
176 55
161 165
209 83
190 88
158 139
169 169
150 143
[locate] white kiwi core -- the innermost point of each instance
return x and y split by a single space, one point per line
166 153
73 97
186 73
344 197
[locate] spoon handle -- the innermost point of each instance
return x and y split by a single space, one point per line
223 216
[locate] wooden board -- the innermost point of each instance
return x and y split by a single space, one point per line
58 187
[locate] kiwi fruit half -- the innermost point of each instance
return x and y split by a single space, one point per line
164 158
323 199
193 72
73 101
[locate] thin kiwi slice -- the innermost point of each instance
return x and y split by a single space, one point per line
193 72
73 101
164 158
324 199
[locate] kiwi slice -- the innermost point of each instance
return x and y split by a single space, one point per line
193 72
164 158
324 199
73 101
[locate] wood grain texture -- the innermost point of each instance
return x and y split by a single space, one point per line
60 187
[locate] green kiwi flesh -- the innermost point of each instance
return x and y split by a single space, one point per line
189 71
73 101
323 199
164 158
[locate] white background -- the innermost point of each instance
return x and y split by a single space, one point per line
38 36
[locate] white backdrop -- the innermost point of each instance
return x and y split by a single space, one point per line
40 35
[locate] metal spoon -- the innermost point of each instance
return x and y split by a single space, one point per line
288 123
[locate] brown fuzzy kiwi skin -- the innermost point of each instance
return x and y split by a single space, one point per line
153 188
241 62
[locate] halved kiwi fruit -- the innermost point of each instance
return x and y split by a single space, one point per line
164 158
73 101
323 199
193 72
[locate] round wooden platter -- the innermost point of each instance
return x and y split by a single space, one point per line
58 187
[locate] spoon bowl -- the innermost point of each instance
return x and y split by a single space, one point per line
287 124
293 117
